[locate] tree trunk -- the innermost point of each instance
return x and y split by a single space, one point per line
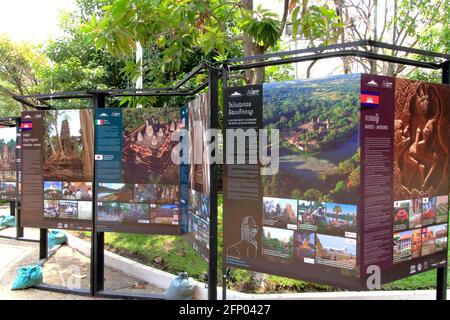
61 154
308 71
340 13
52 149
259 73
247 42
87 143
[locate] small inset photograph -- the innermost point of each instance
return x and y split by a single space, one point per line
442 209
203 209
85 210
51 209
415 214
199 228
280 213
8 189
305 245
441 244
416 250
136 212
429 211
68 209
278 244
339 219
165 214
8 148
430 236
401 214
310 213
77 191
119 192
335 251
403 246
145 193
52 190
167 193
8 176
109 211
194 201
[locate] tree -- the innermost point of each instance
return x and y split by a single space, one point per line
340 186
296 194
76 64
422 23
337 210
312 194
87 141
195 30
17 71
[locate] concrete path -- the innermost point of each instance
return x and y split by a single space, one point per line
66 268
28 233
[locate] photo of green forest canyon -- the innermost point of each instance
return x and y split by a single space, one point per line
319 140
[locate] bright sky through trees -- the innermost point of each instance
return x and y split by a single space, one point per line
32 20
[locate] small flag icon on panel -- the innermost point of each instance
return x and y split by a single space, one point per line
99 122
98 157
370 99
26 125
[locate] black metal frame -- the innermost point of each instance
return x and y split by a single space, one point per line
14 205
97 238
98 242
334 51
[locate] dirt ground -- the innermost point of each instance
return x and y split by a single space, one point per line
66 267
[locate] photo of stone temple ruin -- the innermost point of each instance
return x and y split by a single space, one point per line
314 126
199 122
336 251
147 147
7 148
68 146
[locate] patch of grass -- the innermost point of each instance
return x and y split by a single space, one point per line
169 253
426 280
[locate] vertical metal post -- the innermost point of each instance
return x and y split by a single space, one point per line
441 278
19 228
213 220
224 87
43 244
97 238
224 282
12 209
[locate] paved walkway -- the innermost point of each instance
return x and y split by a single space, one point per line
15 254
66 268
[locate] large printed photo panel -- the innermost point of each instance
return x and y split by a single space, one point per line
8 163
362 180
197 187
302 221
138 184
58 163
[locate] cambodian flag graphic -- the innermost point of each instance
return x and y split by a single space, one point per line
26 125
370 99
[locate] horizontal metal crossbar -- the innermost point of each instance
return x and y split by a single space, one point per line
319 56
354 44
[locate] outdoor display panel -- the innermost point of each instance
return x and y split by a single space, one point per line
196 180
8 164
137 183
362 184
57 164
